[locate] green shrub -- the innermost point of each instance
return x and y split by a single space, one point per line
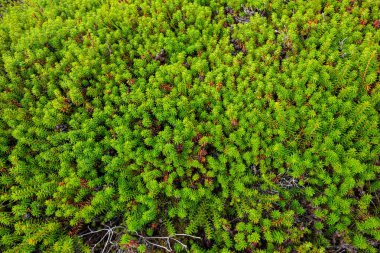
252 125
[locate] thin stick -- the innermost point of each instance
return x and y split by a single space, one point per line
366 68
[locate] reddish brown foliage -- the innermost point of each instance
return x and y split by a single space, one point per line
166 87
376 24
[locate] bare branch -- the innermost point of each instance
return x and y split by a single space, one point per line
111 237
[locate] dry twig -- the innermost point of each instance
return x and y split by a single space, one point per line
110 240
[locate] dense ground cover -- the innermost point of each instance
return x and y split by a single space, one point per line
226 125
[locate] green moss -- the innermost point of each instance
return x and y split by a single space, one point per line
250 124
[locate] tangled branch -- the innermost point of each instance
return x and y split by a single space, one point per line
109 238
288 182
167 239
